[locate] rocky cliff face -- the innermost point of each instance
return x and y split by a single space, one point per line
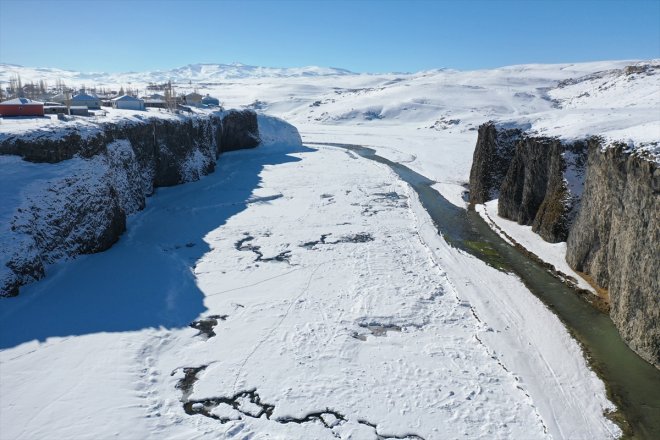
97 179
492 156
615 239
538 180
535 191
602 201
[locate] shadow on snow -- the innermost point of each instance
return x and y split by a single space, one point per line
146 280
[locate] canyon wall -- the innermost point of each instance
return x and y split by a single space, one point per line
602 201
94 178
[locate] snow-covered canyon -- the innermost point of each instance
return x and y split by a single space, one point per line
327 315
303 291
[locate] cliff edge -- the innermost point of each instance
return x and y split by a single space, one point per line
68 190
602 199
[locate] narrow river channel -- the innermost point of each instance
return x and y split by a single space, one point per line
632 383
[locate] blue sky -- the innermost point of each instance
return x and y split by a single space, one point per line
360 35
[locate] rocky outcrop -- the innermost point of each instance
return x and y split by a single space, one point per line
616 240
602 201
535 190
101 175
239 131
492 156
537 179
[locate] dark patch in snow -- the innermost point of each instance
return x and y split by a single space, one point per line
355 238
320 416
378 329
206 325
186 384
249 404
311 244
242 246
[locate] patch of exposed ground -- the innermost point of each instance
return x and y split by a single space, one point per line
244 245
207 324
249 404
361 237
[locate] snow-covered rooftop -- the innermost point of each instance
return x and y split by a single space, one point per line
84 97
21 101
125 98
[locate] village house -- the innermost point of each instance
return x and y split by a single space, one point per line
79 110
89 101
60 98
155 100
21 107
209 100
53 108
193 98
126 102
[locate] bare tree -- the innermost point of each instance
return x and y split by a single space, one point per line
170 97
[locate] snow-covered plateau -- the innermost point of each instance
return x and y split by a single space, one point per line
301 291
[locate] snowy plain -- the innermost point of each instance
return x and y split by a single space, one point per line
336 309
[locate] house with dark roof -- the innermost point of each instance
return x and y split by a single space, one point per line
209 100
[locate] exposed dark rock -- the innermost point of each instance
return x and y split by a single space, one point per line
534 191
187 383
490 162
603 202
239 130
206 325
249 404
241 245
615 239
361 237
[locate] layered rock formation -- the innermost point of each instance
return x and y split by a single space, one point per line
602 201
101 176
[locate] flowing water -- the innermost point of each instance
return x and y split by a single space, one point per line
632 383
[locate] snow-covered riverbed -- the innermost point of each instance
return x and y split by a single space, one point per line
325 307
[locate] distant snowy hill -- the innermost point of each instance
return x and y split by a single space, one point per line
192 72
427 119
418 114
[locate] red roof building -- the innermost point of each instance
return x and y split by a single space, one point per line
21 107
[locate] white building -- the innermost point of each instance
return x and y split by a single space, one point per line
126 102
